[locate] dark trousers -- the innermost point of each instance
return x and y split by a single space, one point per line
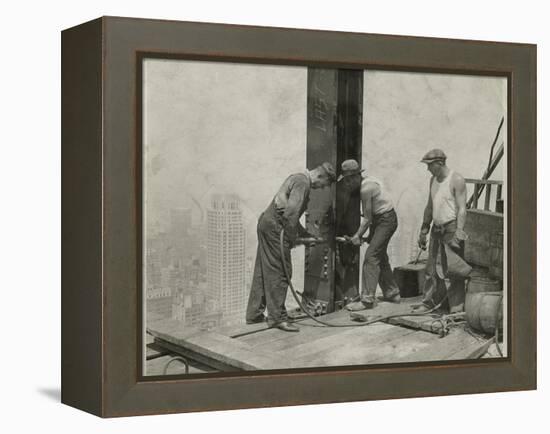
376 264
269 283
443 283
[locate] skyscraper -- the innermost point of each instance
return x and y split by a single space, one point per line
226 256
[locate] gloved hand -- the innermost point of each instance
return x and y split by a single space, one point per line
423 240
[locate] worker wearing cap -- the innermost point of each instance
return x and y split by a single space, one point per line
445 212
270 283
380 219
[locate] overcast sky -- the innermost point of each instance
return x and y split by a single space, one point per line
221 127
406 114
241 128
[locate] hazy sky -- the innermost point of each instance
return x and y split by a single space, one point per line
406 114
241 128
221 127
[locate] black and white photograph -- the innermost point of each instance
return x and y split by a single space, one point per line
255 217
300 217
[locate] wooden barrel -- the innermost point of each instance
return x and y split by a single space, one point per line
484 310
484 284
496 254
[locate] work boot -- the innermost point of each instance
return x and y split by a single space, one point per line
393 299
421 308
287 327
457 309
360 305
257 320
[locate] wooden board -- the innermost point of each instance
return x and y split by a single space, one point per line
475 350
429 347
353 347
256 346
227 350
309 329
236 331
152 351
426 323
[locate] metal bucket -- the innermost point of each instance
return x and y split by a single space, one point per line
410 278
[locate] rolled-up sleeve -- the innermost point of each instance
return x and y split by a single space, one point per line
293 210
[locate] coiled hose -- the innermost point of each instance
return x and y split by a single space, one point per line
326 324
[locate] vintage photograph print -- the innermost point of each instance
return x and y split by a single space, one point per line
302 217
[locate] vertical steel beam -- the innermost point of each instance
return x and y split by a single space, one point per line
348 208
322 138
334 131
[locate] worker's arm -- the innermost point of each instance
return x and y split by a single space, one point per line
427 219
302 232
459 188
291 214
367 192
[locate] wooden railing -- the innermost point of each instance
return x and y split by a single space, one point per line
486 185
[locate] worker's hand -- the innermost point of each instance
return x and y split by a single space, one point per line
307 241
423 240
458 238
460 235
355 240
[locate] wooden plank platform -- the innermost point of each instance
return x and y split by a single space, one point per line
226 350
257 347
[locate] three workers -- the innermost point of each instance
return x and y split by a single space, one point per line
444 214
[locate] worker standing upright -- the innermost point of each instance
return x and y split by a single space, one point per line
446 269
380 219
269 283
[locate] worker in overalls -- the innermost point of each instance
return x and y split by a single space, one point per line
269 283
446 269
379 217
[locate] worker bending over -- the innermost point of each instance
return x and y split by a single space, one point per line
446 269
269 283
380 218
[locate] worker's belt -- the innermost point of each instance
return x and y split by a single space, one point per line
445 228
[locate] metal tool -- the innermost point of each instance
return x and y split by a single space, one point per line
311 240
347 239
418 256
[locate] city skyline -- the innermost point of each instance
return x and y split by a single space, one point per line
197 273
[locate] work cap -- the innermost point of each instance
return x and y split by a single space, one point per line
434 155
329 170
349 167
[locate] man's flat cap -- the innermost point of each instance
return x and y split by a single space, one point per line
434 155
349 167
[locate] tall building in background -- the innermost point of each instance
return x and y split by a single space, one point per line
225 273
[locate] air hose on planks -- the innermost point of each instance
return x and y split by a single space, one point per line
326 324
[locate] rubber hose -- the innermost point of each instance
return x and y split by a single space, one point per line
295 295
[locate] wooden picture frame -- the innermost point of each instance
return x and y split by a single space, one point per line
101 197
